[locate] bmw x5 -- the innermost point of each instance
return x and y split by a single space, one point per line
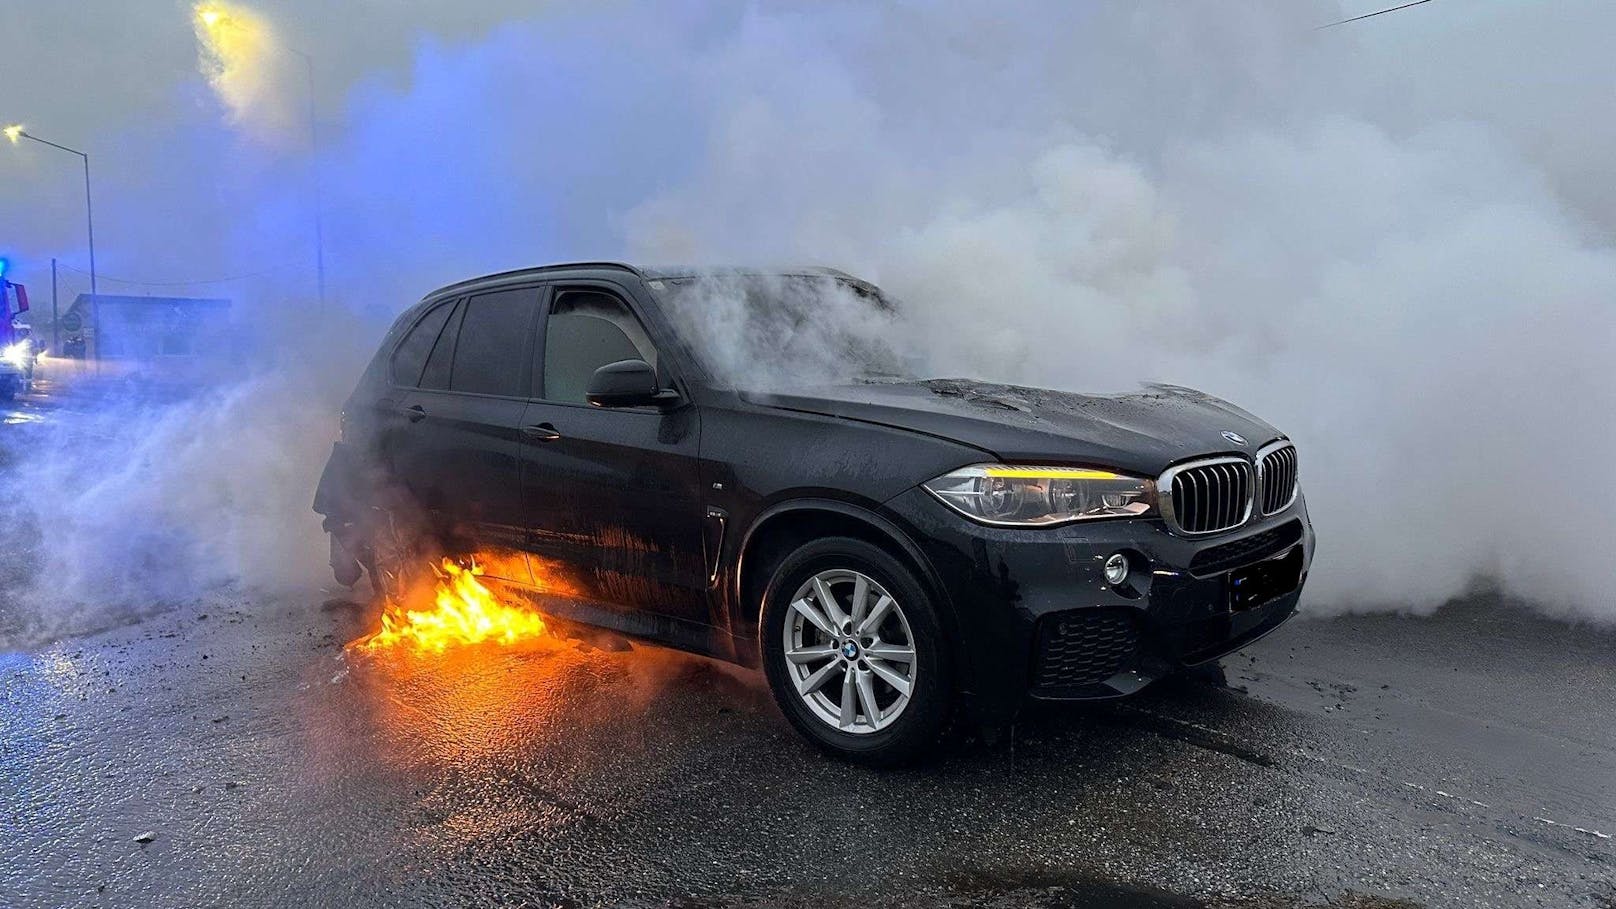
738 464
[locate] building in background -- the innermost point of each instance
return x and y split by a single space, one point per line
143 330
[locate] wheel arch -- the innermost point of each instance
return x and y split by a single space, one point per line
779 529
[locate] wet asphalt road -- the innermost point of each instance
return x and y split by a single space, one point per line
1468 759
1446 761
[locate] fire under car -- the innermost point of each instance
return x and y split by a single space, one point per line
741 464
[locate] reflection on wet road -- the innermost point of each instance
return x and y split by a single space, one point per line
26 409
270 768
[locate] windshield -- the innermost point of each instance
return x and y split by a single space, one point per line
779 331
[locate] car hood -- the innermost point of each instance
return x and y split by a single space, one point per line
1142 432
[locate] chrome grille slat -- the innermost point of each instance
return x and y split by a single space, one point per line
1278 471
1237 489
1271 469
1225 478
1209 496
1202 487
1193 497
1246 488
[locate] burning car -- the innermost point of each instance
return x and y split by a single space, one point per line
739 464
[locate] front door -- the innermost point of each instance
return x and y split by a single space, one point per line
612 495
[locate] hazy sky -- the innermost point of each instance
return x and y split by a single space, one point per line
1392 238
120 79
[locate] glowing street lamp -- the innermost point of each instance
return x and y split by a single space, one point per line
230 36
17 132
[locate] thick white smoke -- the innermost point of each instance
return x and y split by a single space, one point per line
1391 239
1160 193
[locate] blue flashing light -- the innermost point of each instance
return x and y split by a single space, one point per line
4 264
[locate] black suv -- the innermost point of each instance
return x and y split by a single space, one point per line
738 464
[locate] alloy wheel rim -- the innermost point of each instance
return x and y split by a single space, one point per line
849 651
391 556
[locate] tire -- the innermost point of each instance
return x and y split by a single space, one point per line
396 556
812 686
344 567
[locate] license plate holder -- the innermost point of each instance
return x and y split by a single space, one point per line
1256 584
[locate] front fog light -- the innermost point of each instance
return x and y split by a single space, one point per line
1116 569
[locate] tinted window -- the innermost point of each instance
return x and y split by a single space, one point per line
586 330
436 374
493 334
412 352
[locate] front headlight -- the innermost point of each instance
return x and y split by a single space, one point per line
16 354
1039 496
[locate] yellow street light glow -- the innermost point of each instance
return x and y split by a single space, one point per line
1052 473
13 132
208 15
244 62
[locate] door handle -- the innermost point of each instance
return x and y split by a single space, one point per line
544 432
415 412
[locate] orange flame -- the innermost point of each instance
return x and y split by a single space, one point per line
465 612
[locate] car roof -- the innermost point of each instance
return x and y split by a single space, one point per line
677 272
651 273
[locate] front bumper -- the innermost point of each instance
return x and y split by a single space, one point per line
1034 617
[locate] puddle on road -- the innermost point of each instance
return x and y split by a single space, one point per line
1068 889
16 417
499 702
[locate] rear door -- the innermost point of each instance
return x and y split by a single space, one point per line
460 458
399 441
612 495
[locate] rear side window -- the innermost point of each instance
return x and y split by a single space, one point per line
436 374
585 331
488 355
410 356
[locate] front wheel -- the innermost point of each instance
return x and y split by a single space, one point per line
854 652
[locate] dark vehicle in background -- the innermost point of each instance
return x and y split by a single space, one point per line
736 464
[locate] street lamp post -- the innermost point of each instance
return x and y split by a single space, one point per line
15 132
314 150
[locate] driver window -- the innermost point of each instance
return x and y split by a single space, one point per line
586 330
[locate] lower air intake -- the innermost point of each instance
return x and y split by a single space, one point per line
1083 647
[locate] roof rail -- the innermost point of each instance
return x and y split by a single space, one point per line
533 270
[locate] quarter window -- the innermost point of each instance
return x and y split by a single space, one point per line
436 374
411 354
493 333
585 331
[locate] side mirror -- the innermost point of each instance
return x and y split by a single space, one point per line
626 383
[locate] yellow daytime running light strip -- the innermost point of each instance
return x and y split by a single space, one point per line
1052 473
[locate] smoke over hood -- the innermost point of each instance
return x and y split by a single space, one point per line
1141 433
1390 239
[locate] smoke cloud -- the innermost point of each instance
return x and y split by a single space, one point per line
1391 239
246 65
